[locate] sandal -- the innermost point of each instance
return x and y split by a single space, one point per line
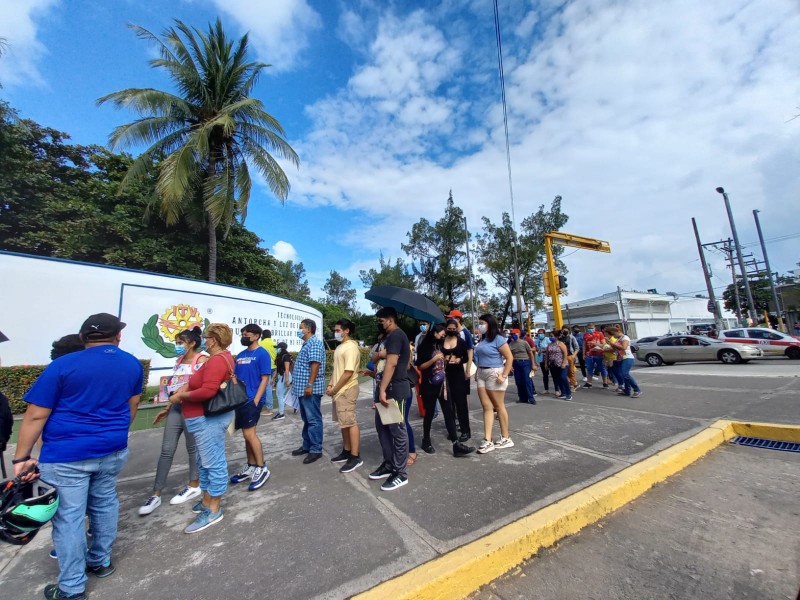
412 458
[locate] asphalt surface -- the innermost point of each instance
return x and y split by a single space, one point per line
728 526
312 532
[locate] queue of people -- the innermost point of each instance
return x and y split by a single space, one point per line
84 402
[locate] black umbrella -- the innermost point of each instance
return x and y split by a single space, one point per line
406 302
3 338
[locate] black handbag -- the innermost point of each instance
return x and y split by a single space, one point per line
230 396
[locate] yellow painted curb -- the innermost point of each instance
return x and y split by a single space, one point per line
462 571
769 431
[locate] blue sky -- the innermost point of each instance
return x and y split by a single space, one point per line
633 112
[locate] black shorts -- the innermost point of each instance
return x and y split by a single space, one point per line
248 414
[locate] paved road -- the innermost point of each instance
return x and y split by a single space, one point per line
726 527
314 533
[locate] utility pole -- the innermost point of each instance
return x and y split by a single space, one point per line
748 291
729 252
711 298
769 271
471 287
622 311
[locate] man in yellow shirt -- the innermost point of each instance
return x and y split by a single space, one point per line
343 388
268 344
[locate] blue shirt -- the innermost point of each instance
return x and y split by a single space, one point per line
88 393
250 366
579 337
540 346
312 351
487 354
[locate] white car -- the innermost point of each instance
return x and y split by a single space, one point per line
771 342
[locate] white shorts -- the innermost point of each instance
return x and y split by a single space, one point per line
487 378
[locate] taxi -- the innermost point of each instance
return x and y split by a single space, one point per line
771 342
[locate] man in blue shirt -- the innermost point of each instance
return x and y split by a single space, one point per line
308 379
253 368
576 331
82 405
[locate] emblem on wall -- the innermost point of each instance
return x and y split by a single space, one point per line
159 332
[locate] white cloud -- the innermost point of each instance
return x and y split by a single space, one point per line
633 113
279 29
284 251
18 65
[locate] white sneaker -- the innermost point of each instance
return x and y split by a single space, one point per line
584 379
504 443
186 494
486 446
152 503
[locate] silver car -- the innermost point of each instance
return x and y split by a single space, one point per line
687 348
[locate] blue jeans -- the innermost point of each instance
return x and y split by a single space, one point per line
560 381
311 413
84 487
280 390
625 373
615 373
595 362
522 377
212 465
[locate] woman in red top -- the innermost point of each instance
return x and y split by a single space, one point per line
209 432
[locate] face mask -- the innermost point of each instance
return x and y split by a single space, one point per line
244 341
337 335
180 350
300 334
483 328
552 339
540 336
514 337
590 330
423 328
451 333
381 327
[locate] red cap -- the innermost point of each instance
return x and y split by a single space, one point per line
455 314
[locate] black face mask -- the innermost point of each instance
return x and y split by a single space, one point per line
381 327
245 341
451 333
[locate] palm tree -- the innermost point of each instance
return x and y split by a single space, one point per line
204 138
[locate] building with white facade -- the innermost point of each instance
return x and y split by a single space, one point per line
642 313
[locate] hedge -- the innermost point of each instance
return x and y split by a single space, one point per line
16 381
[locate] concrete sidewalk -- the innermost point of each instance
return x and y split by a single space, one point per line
312 532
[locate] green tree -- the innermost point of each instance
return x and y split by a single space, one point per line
63 200
293 278
339 291
204 138
440 252
495 254
762 295
396 273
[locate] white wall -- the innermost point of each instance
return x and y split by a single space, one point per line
44 299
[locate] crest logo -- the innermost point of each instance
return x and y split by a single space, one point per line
159 332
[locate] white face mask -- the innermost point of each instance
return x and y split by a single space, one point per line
483 328
337 335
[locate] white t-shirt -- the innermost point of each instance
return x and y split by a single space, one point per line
627 353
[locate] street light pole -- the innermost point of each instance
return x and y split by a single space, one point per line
769 271
748 291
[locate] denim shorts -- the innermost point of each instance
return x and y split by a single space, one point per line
248 414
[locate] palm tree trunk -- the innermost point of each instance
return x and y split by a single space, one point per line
212 249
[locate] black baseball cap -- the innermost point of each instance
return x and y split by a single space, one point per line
100 327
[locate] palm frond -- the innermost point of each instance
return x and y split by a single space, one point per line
269 168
